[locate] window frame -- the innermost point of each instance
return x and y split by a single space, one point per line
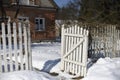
27 2
39 25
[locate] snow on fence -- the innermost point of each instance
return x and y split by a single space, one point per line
15 51
74 50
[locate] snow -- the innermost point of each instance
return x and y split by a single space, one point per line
104 69
27 75
46 59
46 56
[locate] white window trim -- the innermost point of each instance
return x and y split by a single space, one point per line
32 2
43 24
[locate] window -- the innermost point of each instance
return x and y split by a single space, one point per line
32 2
24 2
40 24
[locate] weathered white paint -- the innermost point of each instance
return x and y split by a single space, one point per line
15 51
105 41
74 50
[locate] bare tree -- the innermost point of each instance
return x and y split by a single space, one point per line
3 12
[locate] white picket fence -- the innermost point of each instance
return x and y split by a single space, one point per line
74 50
105 41
15 50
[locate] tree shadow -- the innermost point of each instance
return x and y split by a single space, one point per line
50 64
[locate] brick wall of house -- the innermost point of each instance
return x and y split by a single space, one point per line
35 12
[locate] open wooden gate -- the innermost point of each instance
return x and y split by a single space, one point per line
15 51
74 50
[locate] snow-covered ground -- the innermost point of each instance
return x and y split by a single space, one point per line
46 58
28 75
104 69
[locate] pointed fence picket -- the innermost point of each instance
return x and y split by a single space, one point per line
15 50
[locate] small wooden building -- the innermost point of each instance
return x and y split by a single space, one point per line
41 14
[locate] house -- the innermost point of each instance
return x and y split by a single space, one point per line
41 14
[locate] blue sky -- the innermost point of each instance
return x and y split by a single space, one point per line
60 3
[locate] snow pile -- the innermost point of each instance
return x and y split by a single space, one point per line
104 69
28 75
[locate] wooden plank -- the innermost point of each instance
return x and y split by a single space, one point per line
0 53
73 67
71 54
74 62
20 45
0 42
80 51
10 46
29 46
74 35
62 47
85 54
119 41
15 46
70 46
25 46
4 48
75 51
67 49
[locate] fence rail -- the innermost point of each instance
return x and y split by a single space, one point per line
15 51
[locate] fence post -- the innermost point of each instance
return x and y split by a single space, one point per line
10 46
4 47
15 45
29 45
62 47
0 53
25 45
20 44
85 52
